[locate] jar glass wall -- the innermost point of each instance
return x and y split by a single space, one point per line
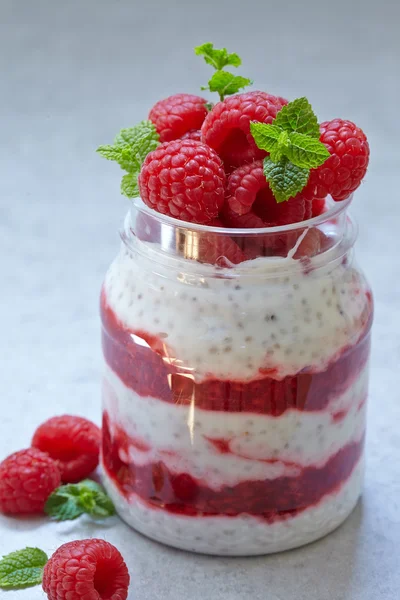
235 381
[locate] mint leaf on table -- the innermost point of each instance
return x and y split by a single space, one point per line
226 83
22 568
218 58
130 148
70 501
285 179
299 116
305 151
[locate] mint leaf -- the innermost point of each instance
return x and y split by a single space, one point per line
304 151
298 116
132 135
110 152
91 485
131 146
265 136
226 83
218 58
122 154
23 568
285 178
129 185
63 504
101 507
71 501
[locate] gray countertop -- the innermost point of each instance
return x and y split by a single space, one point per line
72 73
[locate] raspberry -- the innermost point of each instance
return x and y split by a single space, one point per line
88 569
314 189
176 115
310 245
73 442
184 179
343 172
248 190
247 221
227 127
218 248
277 244
308 209
27 478
317 207
193 134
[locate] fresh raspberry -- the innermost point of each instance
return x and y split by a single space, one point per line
248 221
27 478
314 189
86 569
268 244
317 207
248 190
74 442
308 209
310 245
193 134
176 115
218 248
343 172
184 179
227 127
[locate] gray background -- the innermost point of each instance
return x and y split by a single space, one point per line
72 73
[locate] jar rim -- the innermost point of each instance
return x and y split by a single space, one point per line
336 209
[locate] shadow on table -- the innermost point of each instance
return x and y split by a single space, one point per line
22 523
323 569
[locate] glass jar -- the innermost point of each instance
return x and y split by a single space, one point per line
235 382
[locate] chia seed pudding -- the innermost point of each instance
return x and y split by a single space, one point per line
234 396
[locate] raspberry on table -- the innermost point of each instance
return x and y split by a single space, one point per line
227 127
343 172
248 190
27 478
184 179
176 115
74 442
90 569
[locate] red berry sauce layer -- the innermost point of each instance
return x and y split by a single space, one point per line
270 499
141 366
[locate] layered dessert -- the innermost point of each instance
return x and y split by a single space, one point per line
234 417
236 326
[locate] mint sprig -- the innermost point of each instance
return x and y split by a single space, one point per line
285 179
226 83
70 501
299 116
223 82
218 58
292 141
23 568
130 148
306 152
